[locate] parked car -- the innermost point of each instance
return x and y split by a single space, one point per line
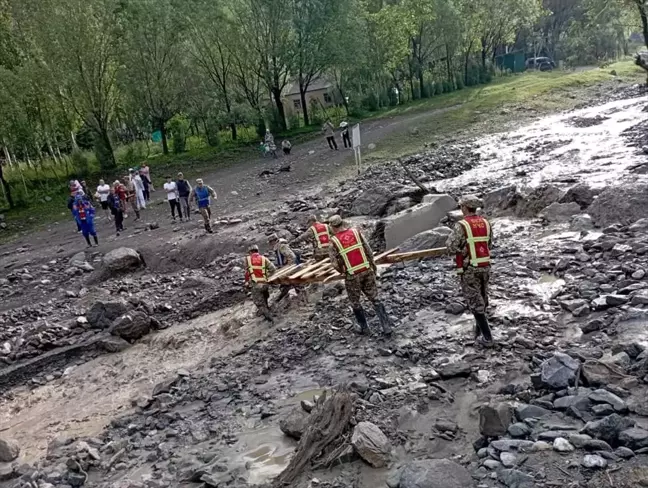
542 64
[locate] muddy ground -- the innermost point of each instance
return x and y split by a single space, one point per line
202 399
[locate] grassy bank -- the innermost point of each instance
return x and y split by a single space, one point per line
483 108
479 108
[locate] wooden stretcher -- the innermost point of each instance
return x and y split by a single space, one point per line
324 272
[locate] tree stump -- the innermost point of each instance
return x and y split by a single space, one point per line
324 434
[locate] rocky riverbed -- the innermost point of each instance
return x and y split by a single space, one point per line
149 368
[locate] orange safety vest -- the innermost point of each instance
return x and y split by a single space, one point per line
349 244
478 233
257 268
322 235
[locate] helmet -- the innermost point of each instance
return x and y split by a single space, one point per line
253 248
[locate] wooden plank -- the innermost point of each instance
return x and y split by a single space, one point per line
283 272
303 271
408 256
379 258
324 264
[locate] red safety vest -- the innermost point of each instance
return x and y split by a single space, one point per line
350 246
478 232
322 235
257 268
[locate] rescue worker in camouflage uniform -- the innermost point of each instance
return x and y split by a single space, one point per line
285 256
470 243
258 270
351 255
318 235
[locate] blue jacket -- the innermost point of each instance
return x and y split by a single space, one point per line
202 196
83 210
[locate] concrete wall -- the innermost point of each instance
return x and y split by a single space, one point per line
425 216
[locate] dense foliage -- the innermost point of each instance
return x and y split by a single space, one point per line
96 73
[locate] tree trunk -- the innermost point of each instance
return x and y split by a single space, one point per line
421 81
7 189
276 93
644 20
484 55
451 79
103 149
163 132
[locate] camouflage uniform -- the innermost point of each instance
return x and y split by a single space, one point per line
361 283
260 292
474 280
288 258
319 253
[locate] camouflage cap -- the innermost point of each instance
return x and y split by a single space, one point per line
335 221
312 218
273 237
253 248
471 201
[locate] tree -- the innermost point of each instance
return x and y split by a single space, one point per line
314 25
73 44
212 52
265 29
152 36
642 8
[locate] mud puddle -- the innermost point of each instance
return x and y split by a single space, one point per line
70 406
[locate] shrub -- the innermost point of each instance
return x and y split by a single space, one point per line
81 164
370 102
179 125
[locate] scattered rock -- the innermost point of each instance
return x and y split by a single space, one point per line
371 444
9 450
604 396
429 239
455 370
123 259
634 438
103 313
559 371
132 326
562 445
434 473
608 428
512 478
494 420
594 461
524 412
294 423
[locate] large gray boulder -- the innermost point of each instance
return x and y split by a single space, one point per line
429 239
372 202
294 423
132 326
103 313
435 473
505 198
123 259
371 444
560 212
624 204
9 450
559 371
413 221
580 194
538 199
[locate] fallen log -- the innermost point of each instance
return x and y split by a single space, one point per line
326 430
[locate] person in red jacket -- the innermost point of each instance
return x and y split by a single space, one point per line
470 243
258 270
318 235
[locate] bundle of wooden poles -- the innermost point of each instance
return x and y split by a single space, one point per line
323 271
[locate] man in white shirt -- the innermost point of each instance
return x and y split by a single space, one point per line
172 195
103 191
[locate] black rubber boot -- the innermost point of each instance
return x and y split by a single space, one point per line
361 327
87 238
385 323
96 240
267 315
484 328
